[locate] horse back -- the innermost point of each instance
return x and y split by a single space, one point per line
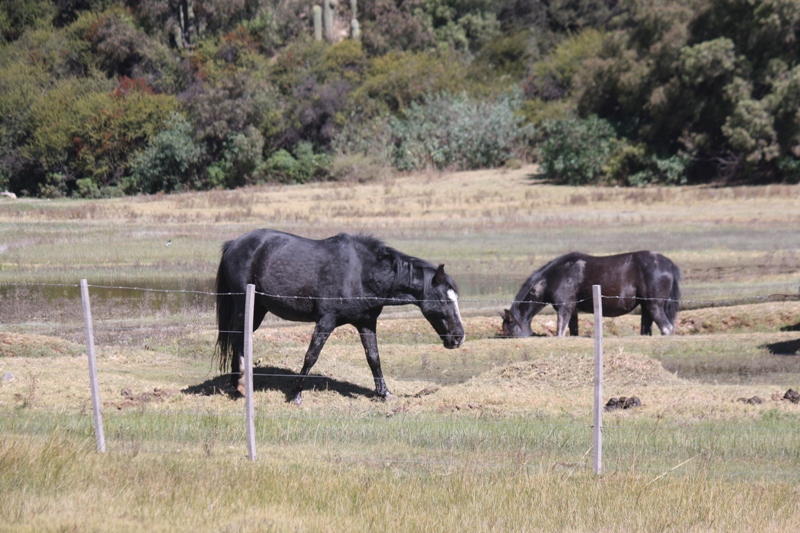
624 279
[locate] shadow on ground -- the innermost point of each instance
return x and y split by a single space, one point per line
272 378
784 348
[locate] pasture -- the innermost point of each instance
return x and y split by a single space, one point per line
493 436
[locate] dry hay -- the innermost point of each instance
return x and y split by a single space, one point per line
28 345
577 370
551 384
768 316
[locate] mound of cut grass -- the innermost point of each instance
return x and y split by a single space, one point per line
27 345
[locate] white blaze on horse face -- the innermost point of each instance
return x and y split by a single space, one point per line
454 298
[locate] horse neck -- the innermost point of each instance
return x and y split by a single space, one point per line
525 306
408 285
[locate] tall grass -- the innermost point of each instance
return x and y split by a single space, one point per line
57 482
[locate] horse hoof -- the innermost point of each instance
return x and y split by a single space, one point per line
388 397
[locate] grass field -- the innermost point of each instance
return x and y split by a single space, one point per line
494 436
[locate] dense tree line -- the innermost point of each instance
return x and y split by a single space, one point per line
109 97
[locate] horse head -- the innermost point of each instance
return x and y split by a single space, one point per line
513 326
439 305
510 326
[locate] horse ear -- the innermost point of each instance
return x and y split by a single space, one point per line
440 276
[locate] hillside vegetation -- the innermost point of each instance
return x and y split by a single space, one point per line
113 97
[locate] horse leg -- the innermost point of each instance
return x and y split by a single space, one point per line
573 324
370 342
237 361
565 313
656 310
647 322
321 333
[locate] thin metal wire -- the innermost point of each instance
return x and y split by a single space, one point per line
406 301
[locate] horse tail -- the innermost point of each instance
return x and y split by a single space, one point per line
672 305
225 314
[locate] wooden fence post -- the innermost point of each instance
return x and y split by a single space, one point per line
248 371
597 455
99 435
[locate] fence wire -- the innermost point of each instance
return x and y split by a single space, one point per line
504 301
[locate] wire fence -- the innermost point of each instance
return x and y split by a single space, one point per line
745 441
683 302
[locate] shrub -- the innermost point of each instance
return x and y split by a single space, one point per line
169 163
86 188
358 167
118 125
221 110
345 60
388 26
789 168
17 16
397 79
504 56
301 167
552 77
576 150
632 164
372 138
242 162
449 131
54 186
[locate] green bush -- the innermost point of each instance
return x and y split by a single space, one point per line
170 161
448 131
505 56
302 167
576 150
117 126
371 138
242 162
397 79
632 164
552 77
54 186
789 168
18 15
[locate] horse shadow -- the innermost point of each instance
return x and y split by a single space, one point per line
785 347
273 378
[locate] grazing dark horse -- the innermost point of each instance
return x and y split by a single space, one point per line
626 280
346 279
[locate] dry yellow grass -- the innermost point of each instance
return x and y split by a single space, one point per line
489 437
463 199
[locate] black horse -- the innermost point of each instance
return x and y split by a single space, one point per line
626 280
345 279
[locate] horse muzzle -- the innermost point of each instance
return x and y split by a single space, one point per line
453 341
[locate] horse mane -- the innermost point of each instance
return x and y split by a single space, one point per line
401 262
382 249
